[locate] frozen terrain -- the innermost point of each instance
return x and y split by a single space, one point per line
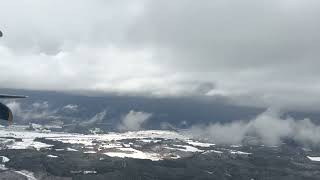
152 144
150 154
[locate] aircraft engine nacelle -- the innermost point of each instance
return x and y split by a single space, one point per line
5 113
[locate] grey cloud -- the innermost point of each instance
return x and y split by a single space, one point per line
231 33
134 120
268 128
266 50
252 53
52 26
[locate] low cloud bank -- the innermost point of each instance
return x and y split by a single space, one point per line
34 111
43 112
98 118
134 120
268 128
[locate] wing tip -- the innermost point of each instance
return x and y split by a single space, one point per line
3 96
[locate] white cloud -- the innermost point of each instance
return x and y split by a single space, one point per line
134 121
109 70
36 111
98 118
268 128
71 108
41 112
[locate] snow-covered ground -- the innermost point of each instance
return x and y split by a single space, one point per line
27 174
133 153
52 156
4 159
314 158
152 144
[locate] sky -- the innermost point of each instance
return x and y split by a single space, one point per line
253 53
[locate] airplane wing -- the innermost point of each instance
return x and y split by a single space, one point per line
5 113
11 96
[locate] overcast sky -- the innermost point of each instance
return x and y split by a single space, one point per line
258 53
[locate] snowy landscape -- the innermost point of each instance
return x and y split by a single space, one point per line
151 145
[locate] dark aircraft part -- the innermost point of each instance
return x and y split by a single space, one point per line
5 113
11 96
1 34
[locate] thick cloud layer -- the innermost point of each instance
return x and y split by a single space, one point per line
268 128
252 52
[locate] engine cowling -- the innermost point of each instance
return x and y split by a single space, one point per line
5 113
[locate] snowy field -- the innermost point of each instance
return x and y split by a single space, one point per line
152 144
